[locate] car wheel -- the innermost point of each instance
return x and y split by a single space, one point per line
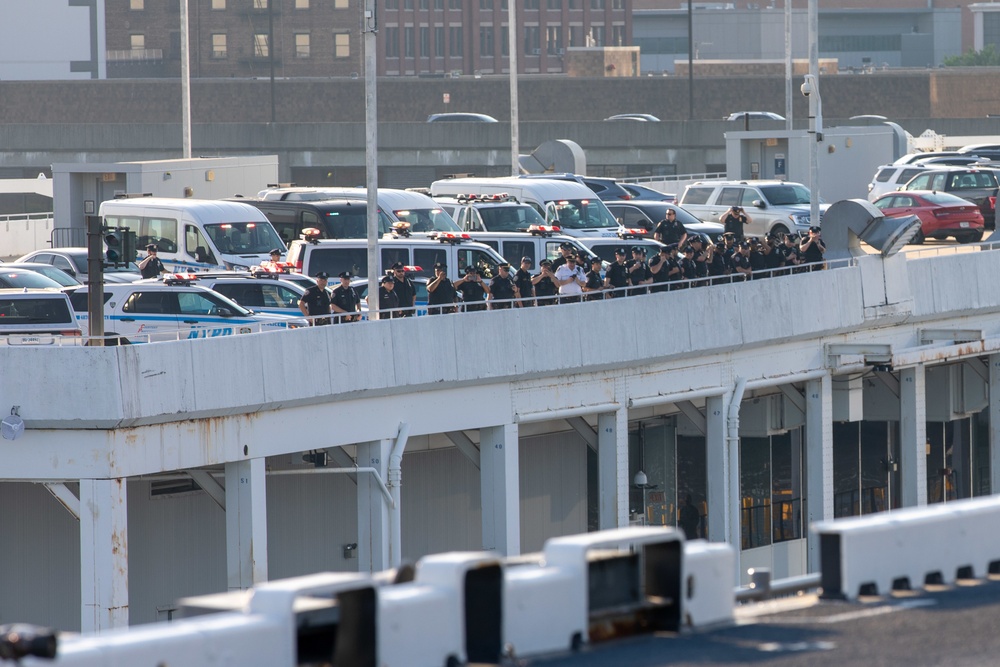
918 238
974 237
779 230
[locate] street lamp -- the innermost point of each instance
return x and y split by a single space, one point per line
810 88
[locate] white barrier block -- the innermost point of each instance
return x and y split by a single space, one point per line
874 553
708 597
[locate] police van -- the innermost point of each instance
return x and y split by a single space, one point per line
37 317
420 212
571 206
312 255
194 235
333 218
174 308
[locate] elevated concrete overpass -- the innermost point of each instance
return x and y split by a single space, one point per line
496 412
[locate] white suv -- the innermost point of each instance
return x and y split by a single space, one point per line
891 177
775 206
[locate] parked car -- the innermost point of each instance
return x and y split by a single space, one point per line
641 117
74 262
892 177
642 192
37 317
646 214
776 207
24 278
978 185
46 270
608 189
942 215
461 117
911 158
754 115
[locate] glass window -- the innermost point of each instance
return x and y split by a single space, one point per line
755 492
477 258
786 486
618 35
597 4
454 4
486 41
883 174
426 258
408 42
260 49
243 237
846 491
531 4
531 40
597 35
162 303
137 42
219 45
697 195
196 246
391 48
455 42
513 251
302 45
486 4
553 4
342 45
425 42
438 4
505 41
160 231
553 40
439 42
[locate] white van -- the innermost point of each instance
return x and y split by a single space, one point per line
193 235
571 206
422 212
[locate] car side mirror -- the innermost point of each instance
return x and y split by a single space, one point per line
759 203
225 312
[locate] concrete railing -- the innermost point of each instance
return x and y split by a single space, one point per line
450 609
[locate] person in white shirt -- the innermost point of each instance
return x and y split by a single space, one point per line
570 278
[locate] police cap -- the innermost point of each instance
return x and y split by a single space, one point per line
619 251
386 279
596 260
505 265
636 249
397 265
151 247
525 259
322 275
440 265
565 245
275 252
344 274
695 239
470 269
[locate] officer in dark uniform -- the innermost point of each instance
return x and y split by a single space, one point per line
742 269
670 230
405 291
617 275
502 288
735 219
659 267
525 288
812 249
773 259
595 281
316 301
718 264
345 300
698 257
473 290
388 302
545 285
565 250
440 292
638 271
151 267
757 262
789 250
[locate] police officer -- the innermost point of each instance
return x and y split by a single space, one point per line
595 281
789 250
659 267
315 303
388 302
742 269
735 219
670 230
151 266
638 270
440 292
345 300
405 291
545 284
616 276
473 290
525 287
812 249
698 256
502 288
275 256
565 250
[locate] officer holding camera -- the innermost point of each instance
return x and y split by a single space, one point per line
812 249
473 290
734 219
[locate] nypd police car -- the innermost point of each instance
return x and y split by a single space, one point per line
175 307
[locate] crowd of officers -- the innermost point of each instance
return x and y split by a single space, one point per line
685 261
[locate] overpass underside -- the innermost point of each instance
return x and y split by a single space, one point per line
152 472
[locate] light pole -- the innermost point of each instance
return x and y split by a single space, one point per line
810 88
369 28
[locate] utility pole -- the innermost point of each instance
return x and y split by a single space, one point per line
185 84
515 149
95 280
370 30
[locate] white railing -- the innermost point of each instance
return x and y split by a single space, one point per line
25 232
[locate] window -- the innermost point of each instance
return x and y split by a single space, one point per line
597 4
392 4
454 43
425 4
553 40
438 4
408 42
341 45
391 45
486 41
531 40
260 4
136 4
425 42
218 4
439 42
219 45
597 35
138 42
553 4
618 35
576 35
260 49
505 41
302 45
454 4
301 4
407 4
697 195
486 5
531 4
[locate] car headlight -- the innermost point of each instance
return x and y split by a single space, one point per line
236 267
799 219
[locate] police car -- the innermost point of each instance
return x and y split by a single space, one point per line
261 291
37 317
175 307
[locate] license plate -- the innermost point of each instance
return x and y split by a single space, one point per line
963 224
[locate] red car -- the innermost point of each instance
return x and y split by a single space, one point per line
941 214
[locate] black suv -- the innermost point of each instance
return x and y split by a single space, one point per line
978 185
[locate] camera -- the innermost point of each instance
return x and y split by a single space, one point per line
809 85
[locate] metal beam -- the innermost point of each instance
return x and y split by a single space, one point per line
566 413
794 396
694 414
344 460
890 381
466 446
930 336
581 426
65 497
209 485
977 366
866 353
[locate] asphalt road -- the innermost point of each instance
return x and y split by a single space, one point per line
957 626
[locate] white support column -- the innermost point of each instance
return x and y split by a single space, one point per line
500 484
612 469
246 523
819 460
373 513
994 394
913 436
103 554
717 465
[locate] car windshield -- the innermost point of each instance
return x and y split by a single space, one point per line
783 195
972 180
427 219
24 278
50 272
14 311
244 238
509 218
581 214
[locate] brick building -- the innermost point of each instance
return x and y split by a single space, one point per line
322 38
